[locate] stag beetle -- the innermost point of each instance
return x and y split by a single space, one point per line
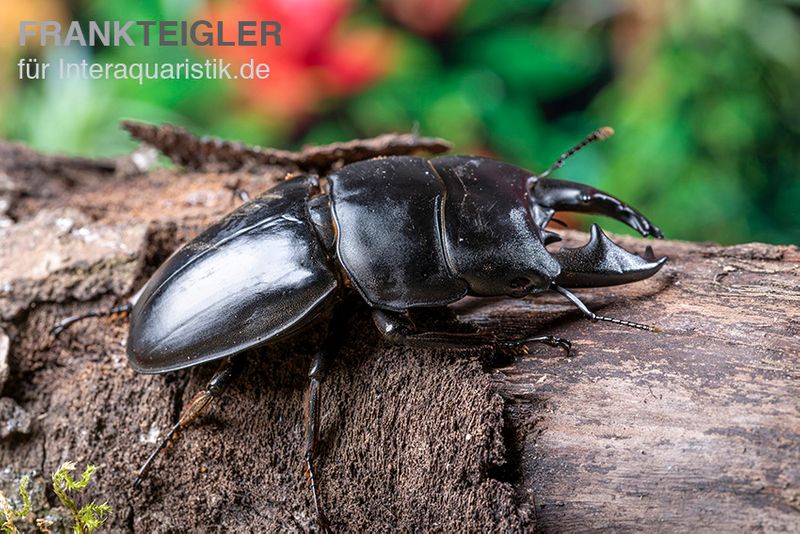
405 232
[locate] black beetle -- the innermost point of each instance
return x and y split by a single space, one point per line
405 232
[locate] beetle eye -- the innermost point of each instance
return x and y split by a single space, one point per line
519 283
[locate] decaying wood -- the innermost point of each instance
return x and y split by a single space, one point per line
694 428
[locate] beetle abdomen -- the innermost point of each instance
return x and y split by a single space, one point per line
258 274
388 216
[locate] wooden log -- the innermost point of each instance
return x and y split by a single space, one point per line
695 427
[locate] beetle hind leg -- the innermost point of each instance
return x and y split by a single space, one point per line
191 411
121 311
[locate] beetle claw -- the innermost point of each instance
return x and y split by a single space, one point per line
58 328
601 262
555 341
548 196
521 345
322 522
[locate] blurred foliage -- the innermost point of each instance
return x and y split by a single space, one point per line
702 93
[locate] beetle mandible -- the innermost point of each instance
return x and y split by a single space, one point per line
404 232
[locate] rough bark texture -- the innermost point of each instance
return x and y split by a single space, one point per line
209 153
696 427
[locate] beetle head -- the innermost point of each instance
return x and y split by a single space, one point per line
491 241
600 262
511 268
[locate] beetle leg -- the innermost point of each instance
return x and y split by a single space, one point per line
190 412
237 192
549 196
553 341
593 316
316 373
63 324
400 329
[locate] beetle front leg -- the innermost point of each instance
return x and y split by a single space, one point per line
200 402
549 196
399 328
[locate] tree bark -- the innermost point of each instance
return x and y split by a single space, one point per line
696 427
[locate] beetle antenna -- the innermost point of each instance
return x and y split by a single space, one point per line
594 317
601 134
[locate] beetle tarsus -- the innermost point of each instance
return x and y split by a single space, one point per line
122 310
322 521
553 341
594 317
199 403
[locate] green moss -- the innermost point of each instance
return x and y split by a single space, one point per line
9 513
91 516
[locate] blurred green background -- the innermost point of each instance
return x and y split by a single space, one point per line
703 94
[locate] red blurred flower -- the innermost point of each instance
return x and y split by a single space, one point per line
318 58
425 17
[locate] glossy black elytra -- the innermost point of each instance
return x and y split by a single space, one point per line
404 232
